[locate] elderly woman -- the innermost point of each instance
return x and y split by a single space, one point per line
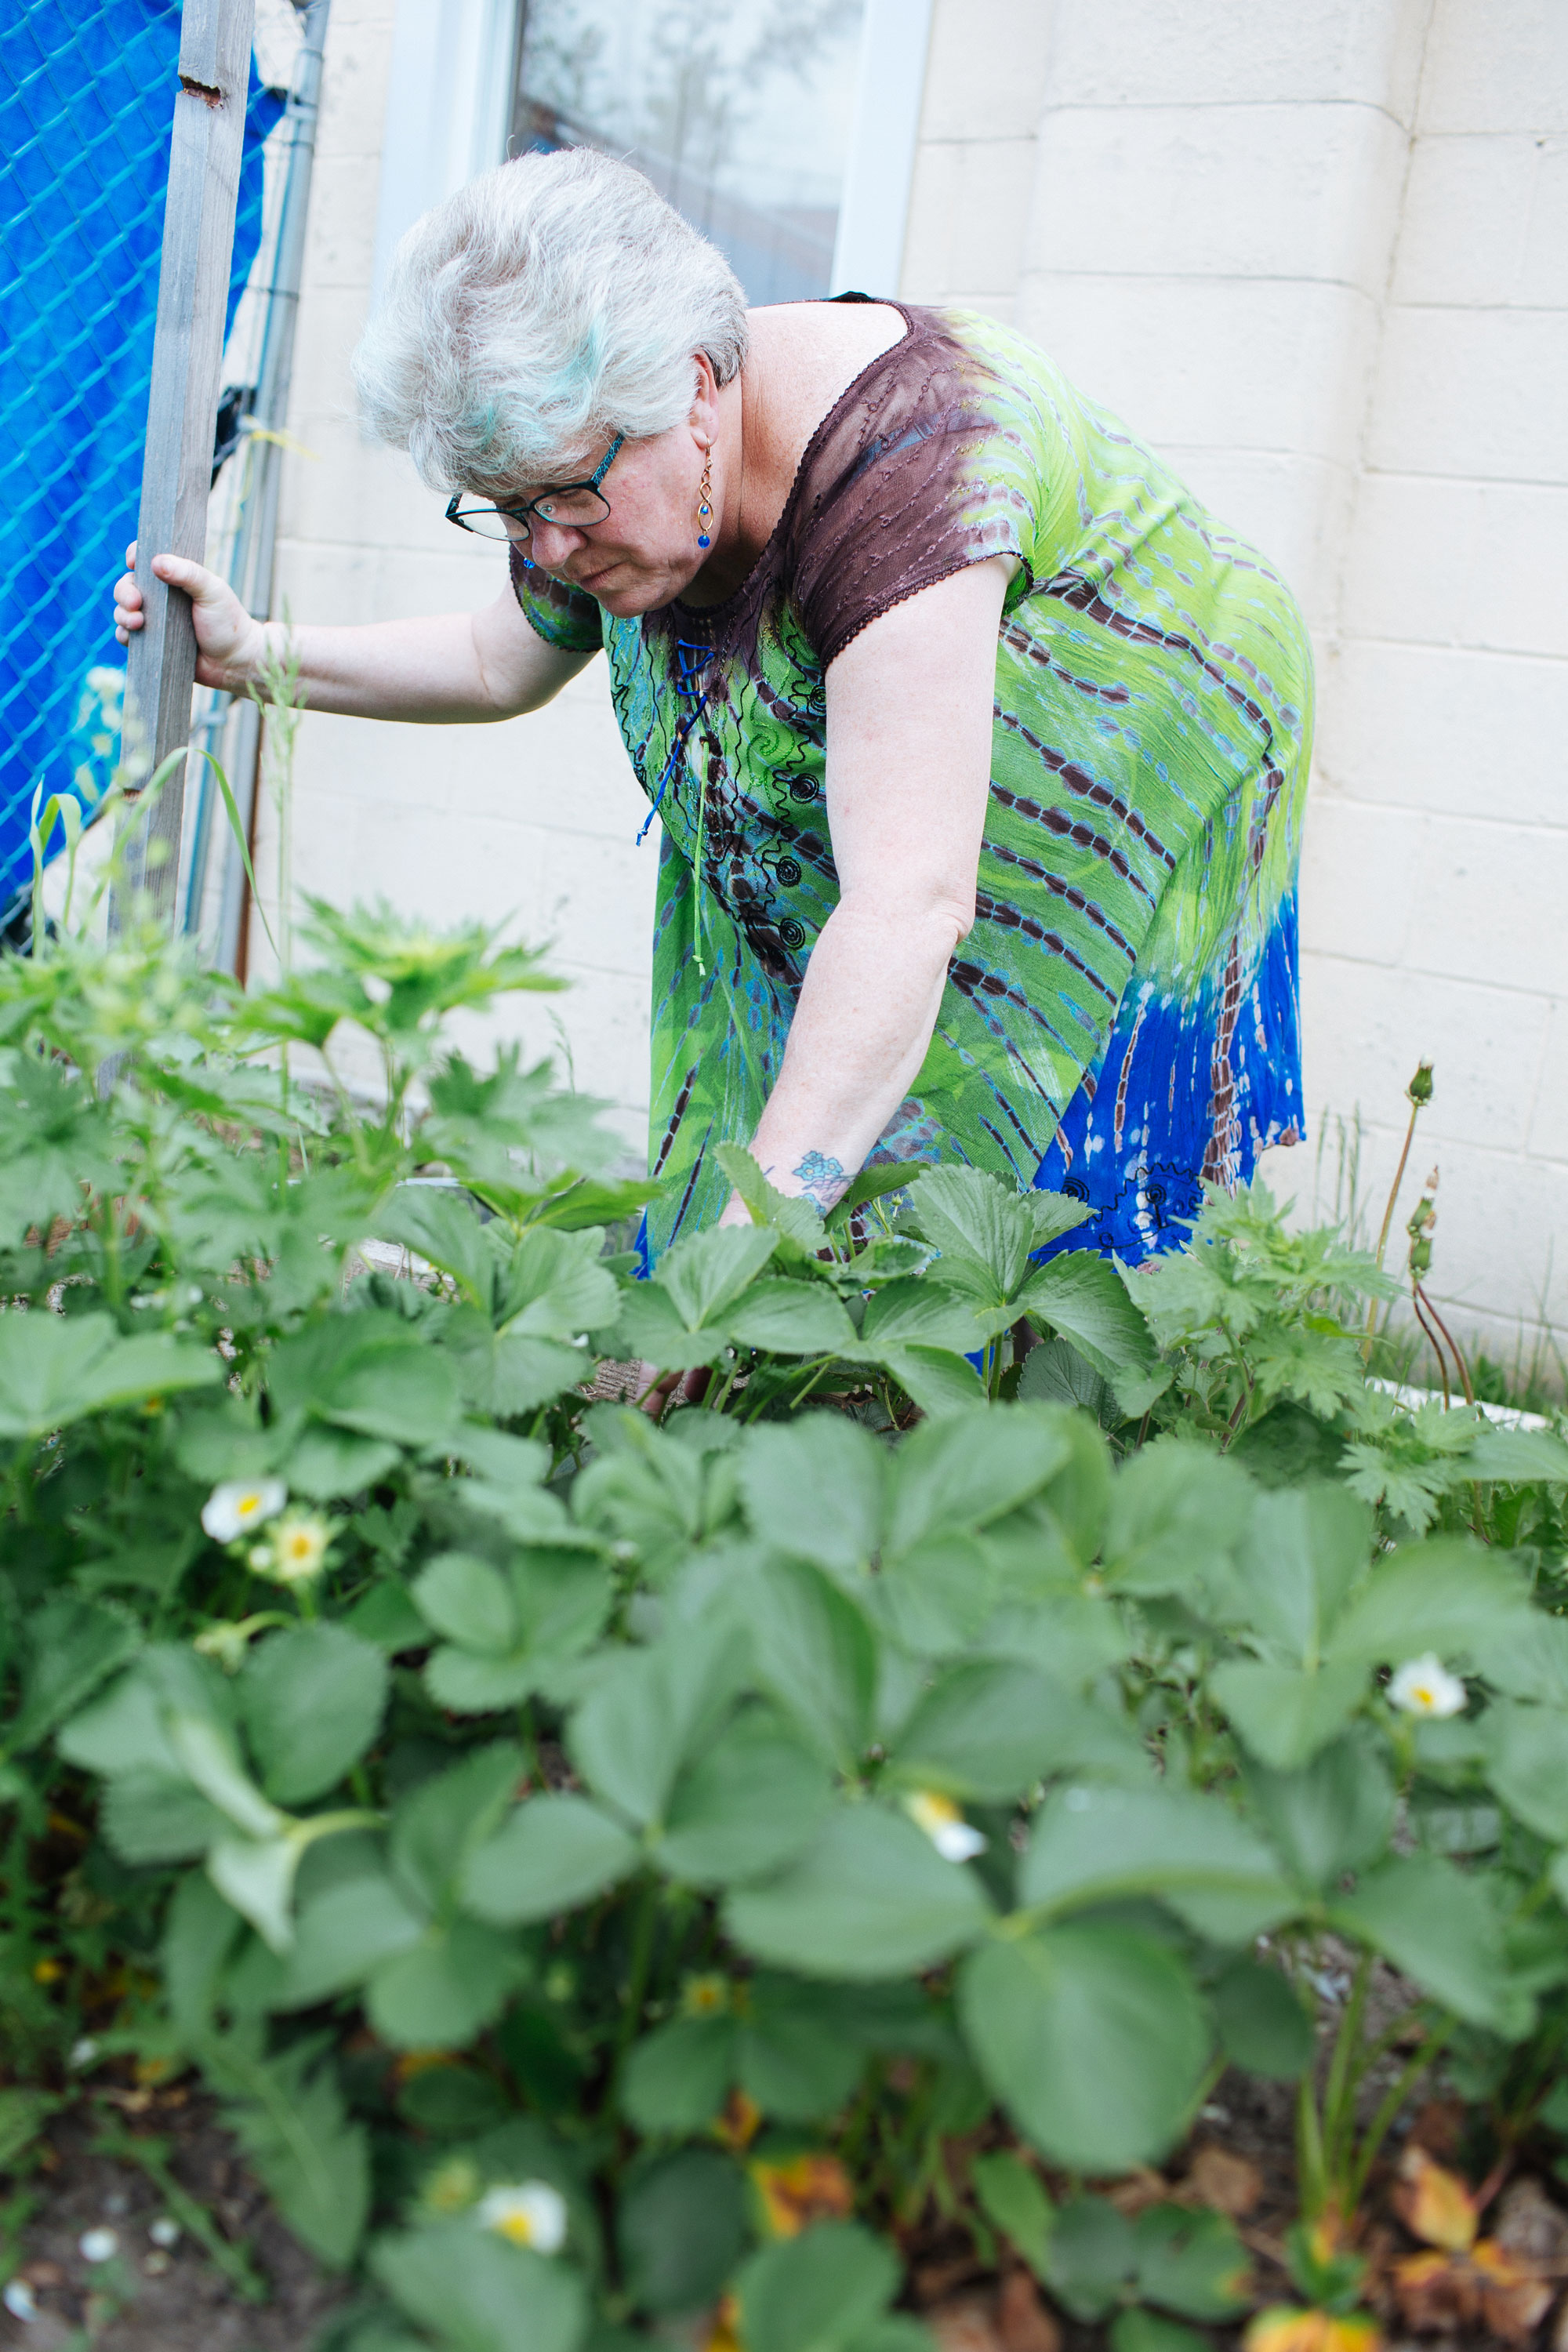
977 745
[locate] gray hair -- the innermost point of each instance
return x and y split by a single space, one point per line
548 305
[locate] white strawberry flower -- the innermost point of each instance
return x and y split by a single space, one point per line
1424 1686
237 1505
954 1839
530 2214
295 1550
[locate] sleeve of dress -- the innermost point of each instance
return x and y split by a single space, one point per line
920 471
564 617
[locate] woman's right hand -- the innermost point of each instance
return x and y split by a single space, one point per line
230 644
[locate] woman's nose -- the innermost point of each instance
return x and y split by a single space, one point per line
551 544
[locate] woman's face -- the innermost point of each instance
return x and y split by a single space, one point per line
645 551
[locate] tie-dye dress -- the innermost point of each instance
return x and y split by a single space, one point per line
1121 1023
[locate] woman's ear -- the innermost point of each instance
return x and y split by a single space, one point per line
704 417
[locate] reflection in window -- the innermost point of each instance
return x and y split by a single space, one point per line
740 115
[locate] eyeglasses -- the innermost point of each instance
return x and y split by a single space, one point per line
575 505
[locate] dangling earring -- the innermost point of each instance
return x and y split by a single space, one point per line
705 505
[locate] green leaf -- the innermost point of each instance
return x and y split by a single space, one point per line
1262 2025
1174 1508
912 1313
792 1318
814 1652
154 1817
325 1463
1090 2260
1191 2262
754 1801
293 2128
257 1876
1013 2200
126 1729
677 2077
960 1474
814 1487
792 2059
679 2231
985 1732
477 2294
1094 1845
73 1646
871 1897
817 2291
939 1380
441 1991
343 1935
937 1596
1528 1764
871 1184
1517 1458
54 1371
647 1712
1439 1927
313 1700
1136 2330
200 1931
446 1819
1284 1716
650 1327
985 1231
706 1273
1445 1595
550 1854
1084 1298
468 1600
1092 2037
443 1228
1334 1816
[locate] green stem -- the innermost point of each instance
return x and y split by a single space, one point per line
1344 2073
643 1929
1399 2091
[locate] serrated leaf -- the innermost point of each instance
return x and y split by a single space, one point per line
814 1487
73 1645
870 1897
1092 2037
817 2291
677 2077
54 1371
792 1318
1092 1844
1439 1927
1085 1299
477 2294
1284 1716
441 1991
550 1854
799 1218
313 1700
707 1272
750 1802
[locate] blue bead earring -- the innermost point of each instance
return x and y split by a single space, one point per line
705 507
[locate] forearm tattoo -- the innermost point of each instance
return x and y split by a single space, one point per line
821 1179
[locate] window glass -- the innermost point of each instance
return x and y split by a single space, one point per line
740 114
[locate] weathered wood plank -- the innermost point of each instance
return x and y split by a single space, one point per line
187 359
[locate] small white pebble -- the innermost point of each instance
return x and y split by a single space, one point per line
84 2051
97 2245
19 2300
164 2231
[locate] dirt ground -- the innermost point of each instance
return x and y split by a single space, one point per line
149 2297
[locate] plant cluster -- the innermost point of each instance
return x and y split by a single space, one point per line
614 1868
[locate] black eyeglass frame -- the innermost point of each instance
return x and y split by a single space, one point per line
534 507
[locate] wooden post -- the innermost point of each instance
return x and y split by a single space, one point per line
182 414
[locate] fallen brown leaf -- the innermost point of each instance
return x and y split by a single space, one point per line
964 2324
1138 2190
1533 2230
1022 2320
1226 2182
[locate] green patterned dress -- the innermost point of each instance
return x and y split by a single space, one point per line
1122 1021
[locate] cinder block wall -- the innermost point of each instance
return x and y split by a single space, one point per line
1320 259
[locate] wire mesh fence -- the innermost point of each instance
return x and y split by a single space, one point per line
86 95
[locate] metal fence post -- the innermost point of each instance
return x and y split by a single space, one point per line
187 359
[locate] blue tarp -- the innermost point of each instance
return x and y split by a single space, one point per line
86 103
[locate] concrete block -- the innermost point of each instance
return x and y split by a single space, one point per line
1366 1028
1121 52
1498 1216
1487 903
969 212
1412 547
1518 599
343 226
356 70
1453 732
1223 363
1275 190
1543 277
1548 1138
1489 69
1462 230
1477 394
1359 877
985 72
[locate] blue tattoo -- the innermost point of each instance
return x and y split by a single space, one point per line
823 1179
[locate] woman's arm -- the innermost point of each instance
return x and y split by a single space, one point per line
909 766
458 665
